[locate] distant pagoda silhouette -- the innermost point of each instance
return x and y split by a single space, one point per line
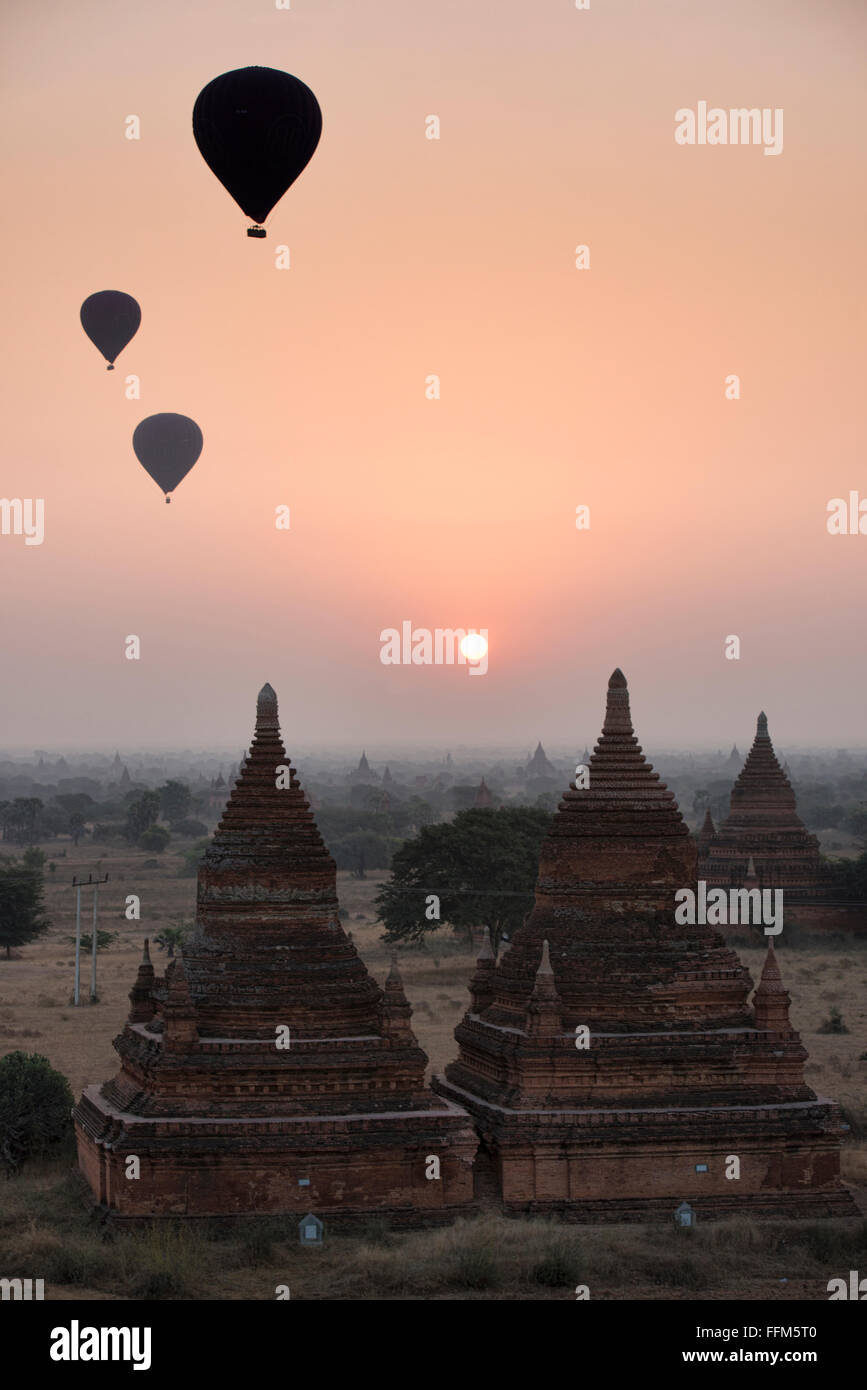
484 797
538 765
364 774
734 761
763 824
223 1121
679 1073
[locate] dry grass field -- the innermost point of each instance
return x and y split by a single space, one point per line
46 1232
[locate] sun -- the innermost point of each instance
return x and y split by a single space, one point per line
474 646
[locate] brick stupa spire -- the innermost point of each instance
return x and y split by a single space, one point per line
771 999
763 823
276 954
615 855
679 1071
267 1071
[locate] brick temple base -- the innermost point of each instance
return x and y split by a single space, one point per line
249 1166
634 1165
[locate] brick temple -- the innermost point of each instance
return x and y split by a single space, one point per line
763 825
223 1120
681 1073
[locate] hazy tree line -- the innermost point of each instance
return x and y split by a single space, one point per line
22 909
478 869
133 817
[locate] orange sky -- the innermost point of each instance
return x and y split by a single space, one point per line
454 257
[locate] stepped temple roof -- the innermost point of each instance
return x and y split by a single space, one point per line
267 1052
616 854
611 1058
364 773
538 765
734 759
763 823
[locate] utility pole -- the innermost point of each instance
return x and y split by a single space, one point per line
78 884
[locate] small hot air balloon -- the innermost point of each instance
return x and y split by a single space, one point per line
167 446
110 319
256 129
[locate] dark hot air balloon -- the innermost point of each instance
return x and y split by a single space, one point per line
167 446
110 319
256 129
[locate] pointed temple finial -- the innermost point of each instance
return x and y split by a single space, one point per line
181 1033
771 999
178 985
140 996
265 817
482 984
762 725
708 830
266 708
396 1009
487 951
617 717
544 1017
771 969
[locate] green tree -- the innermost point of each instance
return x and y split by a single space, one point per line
21 819
35 1105
53 820
193 859
363 850
482 867
103 940
102 832
21 906
848 878
76 826
189 827
856 823
420 812
75 801
170 938
461 798
156 838
141 815
175 801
